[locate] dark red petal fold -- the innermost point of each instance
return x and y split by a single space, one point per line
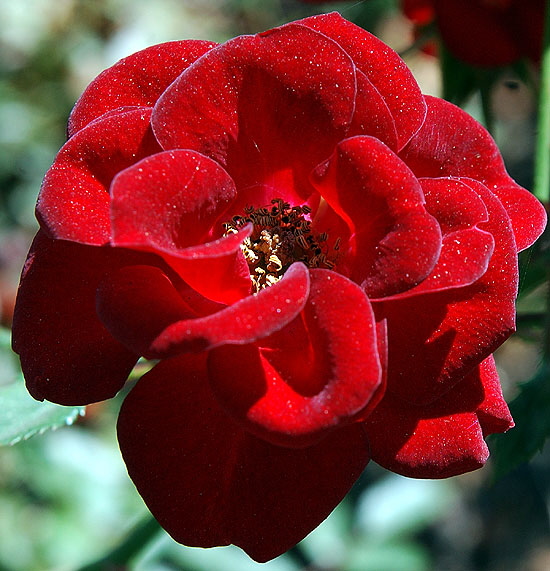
136 303
451 331
442 439
383 68
441 148
138 79
74 199
394 242
245 321
288 96
67 355
211 483
294 396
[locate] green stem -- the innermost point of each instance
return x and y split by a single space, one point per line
542 156
120 557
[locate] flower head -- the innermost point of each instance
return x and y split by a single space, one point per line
321 259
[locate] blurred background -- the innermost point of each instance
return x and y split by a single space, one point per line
65 498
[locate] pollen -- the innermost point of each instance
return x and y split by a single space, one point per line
282 234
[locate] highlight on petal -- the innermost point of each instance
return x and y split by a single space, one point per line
442 439
138 79
288 96
394 242
67 355
74 199
382 67
211 483
293 396
451 143
245 321
450 331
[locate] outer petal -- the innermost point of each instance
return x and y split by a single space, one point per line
394 242
142 309
293 397
451 331
451 143
383 67
211 483
267 107
66 353
74 199
445 438
138 79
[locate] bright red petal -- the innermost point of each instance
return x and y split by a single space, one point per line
383 68
267 107
211 483
451 143
394 242
445 438
451 331
74 199
466 249
294 396
66 353
138 79
170 201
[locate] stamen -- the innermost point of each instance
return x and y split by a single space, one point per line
281 235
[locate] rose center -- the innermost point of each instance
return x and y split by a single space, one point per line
282 234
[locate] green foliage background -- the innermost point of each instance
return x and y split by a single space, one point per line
65 498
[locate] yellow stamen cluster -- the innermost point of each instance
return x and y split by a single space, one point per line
281 235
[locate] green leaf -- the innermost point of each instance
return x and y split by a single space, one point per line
530 411
23 417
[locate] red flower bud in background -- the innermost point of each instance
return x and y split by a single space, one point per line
484 33
321 259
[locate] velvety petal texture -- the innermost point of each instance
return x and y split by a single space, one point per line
318 260
219 483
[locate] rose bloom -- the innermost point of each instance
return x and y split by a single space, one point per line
319 259
484 33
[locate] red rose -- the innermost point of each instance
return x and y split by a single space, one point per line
484 33
321 259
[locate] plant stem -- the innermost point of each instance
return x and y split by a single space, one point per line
122 555
542 157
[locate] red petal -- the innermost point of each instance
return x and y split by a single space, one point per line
466 249
217 270
67 355
74 199
249 319
384 69
170 201
138 79
394 242
292 398
447 333
210 483
493 413
442 439
451 143
267 107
